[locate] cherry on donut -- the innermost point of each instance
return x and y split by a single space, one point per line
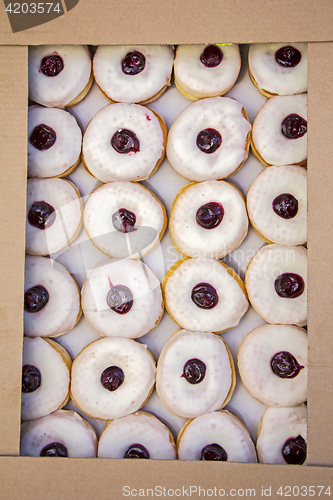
210 215
54 450
211 56
136 451
41 215
42 137
209 140
35 298
214 452
285 205
51 65
294 126
133 63
284 365
294 450
289 285
31 378
204 296
112 378
194 371
288 56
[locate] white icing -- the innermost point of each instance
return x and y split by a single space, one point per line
66 150
272 182
195 241
223 114
119 86
178 395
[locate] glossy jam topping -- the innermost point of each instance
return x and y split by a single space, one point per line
119 298
54 450
214 452
194 371
35 298
288 56
31 378
112 378
211 56
204 296
125 141
42 137
285 205
289 285
209 140
51 65
284 365
294 126
41 215
210 215
133 63
124 221
136 451
294 450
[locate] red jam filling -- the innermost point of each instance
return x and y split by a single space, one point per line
204 296
31 378
42 137
211 56
124 141
112 378
288 56
294 126
284 365
285 205
208 140
41 215
124 221
289 285
214 452
35 298
133 63
119 299
51 65
210 215
294 450
54 450
136 451
194 371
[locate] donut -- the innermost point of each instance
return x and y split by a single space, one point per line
140 435
272 362
124 142
278 68
63 433
51 298
279 131
124 219
276 282
54 144
208 219
45 377
133 73
54 215
209 140
206 70
204 295
112 377
282 436
59 75
195 373
277 204
122 298
216 436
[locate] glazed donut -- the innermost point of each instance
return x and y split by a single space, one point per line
124 219
282 436
279 69
124 142
54 144
203 294
277 205
272 362
112 377
133 73
208 219
195 373
279 133
206 70
140 435
51 298
209 140
61 434
54 215
59 75
276 282
216 436
122 298
45 377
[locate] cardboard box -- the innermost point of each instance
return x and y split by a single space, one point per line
97 22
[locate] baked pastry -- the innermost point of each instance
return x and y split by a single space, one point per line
124 219
276 282
273 364
206 70
277 204
112 377
209 140
61 434
54 142
124 142
195 373
122 298
133 73
51 298
218 436
59 75
203 294
208 219
279 68
45 377
54 215
279 131
140 435
282 436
